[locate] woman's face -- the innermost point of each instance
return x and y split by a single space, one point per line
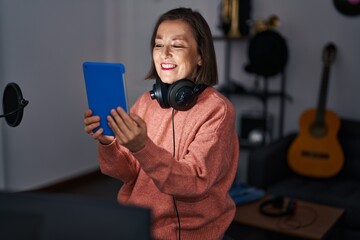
175 51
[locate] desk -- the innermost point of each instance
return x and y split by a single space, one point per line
310 221
64 216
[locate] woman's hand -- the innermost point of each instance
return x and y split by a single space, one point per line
91 122
130 130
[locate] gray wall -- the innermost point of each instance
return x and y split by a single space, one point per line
44 42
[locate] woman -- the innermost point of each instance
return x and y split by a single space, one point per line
179 162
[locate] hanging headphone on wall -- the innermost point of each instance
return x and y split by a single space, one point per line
180 95
276 207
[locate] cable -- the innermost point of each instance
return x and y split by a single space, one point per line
292 222
24 103
178 217
173 130
174 200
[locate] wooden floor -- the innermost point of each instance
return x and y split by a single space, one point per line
93 184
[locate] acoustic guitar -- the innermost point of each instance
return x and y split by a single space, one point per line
316 151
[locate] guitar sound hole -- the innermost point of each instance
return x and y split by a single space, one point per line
318 130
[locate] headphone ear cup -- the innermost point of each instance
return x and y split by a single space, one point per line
277 207
181 95
159 92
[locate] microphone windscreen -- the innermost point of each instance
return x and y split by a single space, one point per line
13 102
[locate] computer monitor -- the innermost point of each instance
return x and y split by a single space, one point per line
50 216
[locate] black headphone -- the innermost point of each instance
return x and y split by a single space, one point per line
278 207
180 95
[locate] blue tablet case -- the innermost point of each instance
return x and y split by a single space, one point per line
105 89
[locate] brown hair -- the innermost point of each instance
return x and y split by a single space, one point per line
207 72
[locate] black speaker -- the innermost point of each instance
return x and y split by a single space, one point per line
255 129
180 95
278 206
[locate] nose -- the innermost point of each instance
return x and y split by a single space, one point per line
165 53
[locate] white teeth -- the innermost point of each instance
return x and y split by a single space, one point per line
167 65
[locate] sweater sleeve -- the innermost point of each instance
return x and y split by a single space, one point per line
117 162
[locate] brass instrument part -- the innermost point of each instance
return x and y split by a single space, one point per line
271 23
230 17
234 29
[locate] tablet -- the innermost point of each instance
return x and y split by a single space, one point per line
105 89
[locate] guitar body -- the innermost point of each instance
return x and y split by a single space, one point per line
316 151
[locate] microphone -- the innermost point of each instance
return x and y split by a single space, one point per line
13 104
23 104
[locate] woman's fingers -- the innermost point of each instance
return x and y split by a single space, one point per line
93 122
130 130
87 113
90 127
121 123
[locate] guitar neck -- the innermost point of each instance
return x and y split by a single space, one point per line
321 106
329 53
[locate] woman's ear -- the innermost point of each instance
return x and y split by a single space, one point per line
199 61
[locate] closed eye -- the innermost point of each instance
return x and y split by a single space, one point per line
178 46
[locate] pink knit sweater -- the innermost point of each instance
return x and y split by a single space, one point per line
199 176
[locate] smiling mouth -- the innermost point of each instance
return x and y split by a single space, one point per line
167 66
